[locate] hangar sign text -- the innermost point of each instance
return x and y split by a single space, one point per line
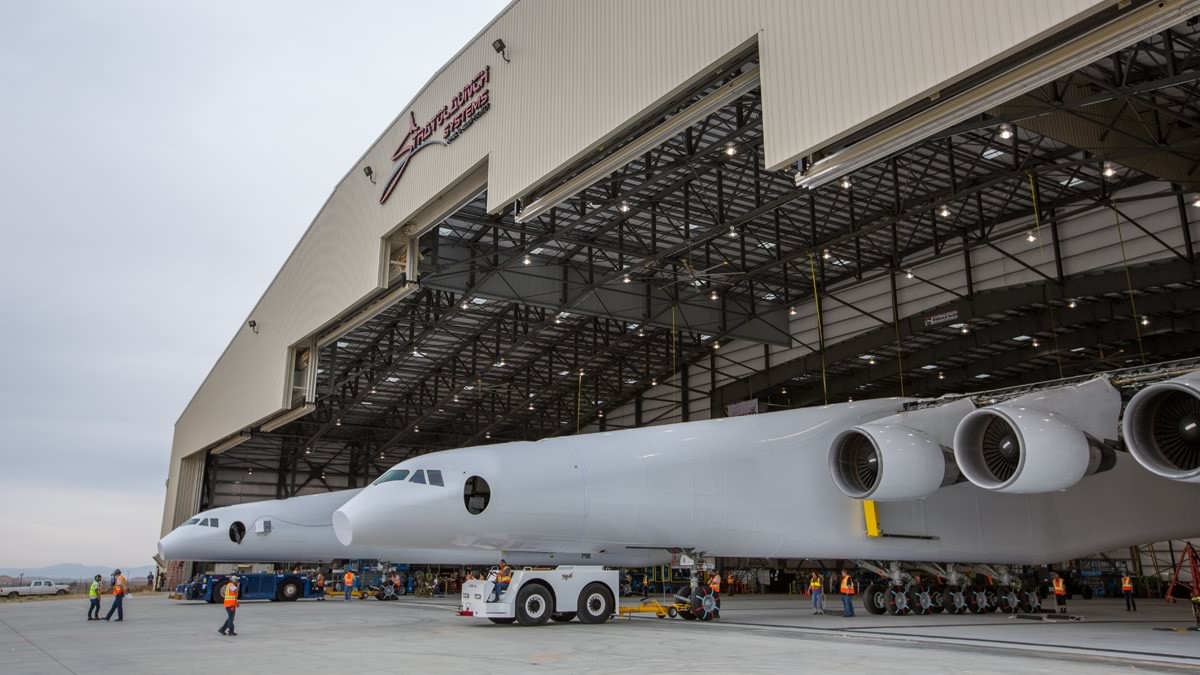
469 104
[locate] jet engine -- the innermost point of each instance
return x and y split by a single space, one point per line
1042 441
1162 428
905 456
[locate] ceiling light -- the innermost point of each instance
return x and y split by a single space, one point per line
641 333
1196 199
464 305
488 435
417 429
456 398
1006 131
908 273
624 207
733 232
871 362
381 455
730 150
1110 169
338 422
1030 237
626 279
1145 321
308 451
1079 349
944 211
965 329
1035 344
713 295
372 390
418 354
846 182
941 376
1022 338
792 311
530 406
527 260
600 414
929 367
982 376
1071 304
825 254
557 320
716 345
654 382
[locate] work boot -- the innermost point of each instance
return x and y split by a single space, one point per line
221 631
233 633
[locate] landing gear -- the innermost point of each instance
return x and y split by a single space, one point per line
1030 602
936 599
875 599
980 599
1007 600
954 600
706 604
922 601
899 601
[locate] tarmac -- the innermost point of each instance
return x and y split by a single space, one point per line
756 634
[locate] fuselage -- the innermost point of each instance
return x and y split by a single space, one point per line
747 486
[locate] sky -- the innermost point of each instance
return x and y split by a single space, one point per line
158 162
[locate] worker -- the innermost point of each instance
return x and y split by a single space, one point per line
503 578
1060 592
714 582
94 592
150 582
1127 591
320 585
818 593
232 590
348 583
847 589
119 588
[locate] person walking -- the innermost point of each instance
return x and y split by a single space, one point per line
847 589
1127 591
818 593
348 583
119 588
1060 592
94 592
232 590
150 582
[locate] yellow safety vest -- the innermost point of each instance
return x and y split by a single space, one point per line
94 591
814 583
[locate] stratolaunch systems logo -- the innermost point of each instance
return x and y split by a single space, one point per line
468 105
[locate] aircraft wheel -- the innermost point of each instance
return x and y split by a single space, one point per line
1006 601
507 620
563 617
954 600
898 601
921 601
976 599
874 599
991 605
706 604
595 603
936 601
534 605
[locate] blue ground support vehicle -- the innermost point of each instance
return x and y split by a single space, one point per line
262 586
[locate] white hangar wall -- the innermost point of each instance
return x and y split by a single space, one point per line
580 72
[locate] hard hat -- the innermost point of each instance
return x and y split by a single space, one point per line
233 577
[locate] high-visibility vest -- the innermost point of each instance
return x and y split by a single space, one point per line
1060 586
715 583
231 594
847 585
815 583
119 586
320 581
94 591
349 579
1126 583
504 576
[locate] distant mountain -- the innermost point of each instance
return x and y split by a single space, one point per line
75 571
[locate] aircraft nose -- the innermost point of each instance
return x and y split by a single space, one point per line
342 528
377 517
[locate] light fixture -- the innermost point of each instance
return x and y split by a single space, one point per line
249 472
501 49
1110 169
531 406
783 391
941 376
1035 343
372 390
527 260
253 325
626 279
1145 320
417 429
846 182
733 232
600 414
465 305
456 398
1071 304
792 311
624 207
557 320
713 295
944 211
308 451
965 329
654 382
871 361
825 254
1030 237
338 422
1196 200
716 344
381 455
641 333
908 273
581 372
1006 131
501 364
487 435
370 173
730 150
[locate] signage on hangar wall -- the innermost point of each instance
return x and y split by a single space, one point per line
469 104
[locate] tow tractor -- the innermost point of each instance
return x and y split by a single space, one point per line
537 595
254 586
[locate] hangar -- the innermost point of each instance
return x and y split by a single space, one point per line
611 215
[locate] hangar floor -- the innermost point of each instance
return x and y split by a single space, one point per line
756 634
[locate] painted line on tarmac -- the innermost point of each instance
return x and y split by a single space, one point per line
37 647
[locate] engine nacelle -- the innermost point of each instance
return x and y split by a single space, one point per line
1162 428
905 456
1040 442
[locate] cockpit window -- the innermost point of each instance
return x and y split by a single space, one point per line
204 523
418 477
213 523
192 521
435 478
389 476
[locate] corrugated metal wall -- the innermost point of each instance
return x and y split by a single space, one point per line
1089 242
581 70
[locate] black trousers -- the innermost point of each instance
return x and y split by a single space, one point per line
228 625
94 608
1130 603
117 606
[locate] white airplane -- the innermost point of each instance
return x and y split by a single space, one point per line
300 529
1030 479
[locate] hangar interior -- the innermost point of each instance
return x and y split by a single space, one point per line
671 275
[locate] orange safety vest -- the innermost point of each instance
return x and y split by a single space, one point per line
504 576
1126 583
119 586
231 595
715 583
847 585
349 579
1060 586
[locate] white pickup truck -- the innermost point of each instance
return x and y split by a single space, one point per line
39 587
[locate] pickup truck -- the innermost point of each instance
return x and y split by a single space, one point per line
39 587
